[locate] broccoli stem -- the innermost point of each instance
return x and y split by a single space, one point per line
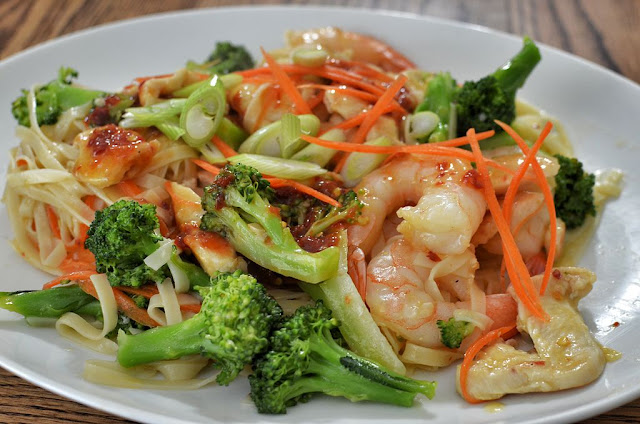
162 343
197 276
440 94
256 208
513 74
51 303
287 258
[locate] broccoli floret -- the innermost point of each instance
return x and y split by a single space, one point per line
120 237
479 103
348 212
304 358
573 196
453 332
226 58
53 98
237 206
232 327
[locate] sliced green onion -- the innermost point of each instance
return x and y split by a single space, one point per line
358 165
212 154
228 81
163 115
171 128
266 141
278 167
306 56
290 132
202 113
231 134
318 154
419 125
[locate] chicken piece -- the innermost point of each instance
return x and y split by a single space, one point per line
213 252
109 154
566 354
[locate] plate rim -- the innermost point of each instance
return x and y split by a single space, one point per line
612 401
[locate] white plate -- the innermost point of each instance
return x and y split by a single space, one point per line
597 107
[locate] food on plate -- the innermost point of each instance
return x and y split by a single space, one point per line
334 218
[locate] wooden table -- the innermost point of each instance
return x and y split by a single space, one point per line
605 32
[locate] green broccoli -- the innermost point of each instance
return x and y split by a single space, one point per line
122 235
573 195
237 206
452 332
304 358
232 327
51 303
226 58
479 103
348 212
53 98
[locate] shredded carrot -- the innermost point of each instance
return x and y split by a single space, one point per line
372 98
72 276
206 166
147 291
546 191
53 220
92 201
518 273
375 113
21 162
129 189
280 182
269 99
224 148
286 84
355 121
130 309
191 307
471 353
316 100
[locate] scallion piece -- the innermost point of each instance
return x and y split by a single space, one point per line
266 141
231 134
278 167
318 154
202 114
360 164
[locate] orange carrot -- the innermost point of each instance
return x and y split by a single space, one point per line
129 189
21 162
280 182
53 221
130 309
224 148
471 353
373 115
356 120
354 93
147 291
92 201
72 276
191 307
548 197
316 100
269 99
287 85
206 166
518 273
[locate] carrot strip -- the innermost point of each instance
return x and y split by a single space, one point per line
518 273
287 85
206 166
316 100
224 148
195 308
72 276
356 120
130 309
146 291
375 113
129 189
548 197
21 162
354 93
471 353
53 220
280 182
269 99
92 201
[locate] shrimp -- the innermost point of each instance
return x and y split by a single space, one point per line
349 45
409 290
151 90
566 354
448 206
213 252
512 157
529 225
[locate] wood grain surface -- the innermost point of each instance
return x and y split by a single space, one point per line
602 31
